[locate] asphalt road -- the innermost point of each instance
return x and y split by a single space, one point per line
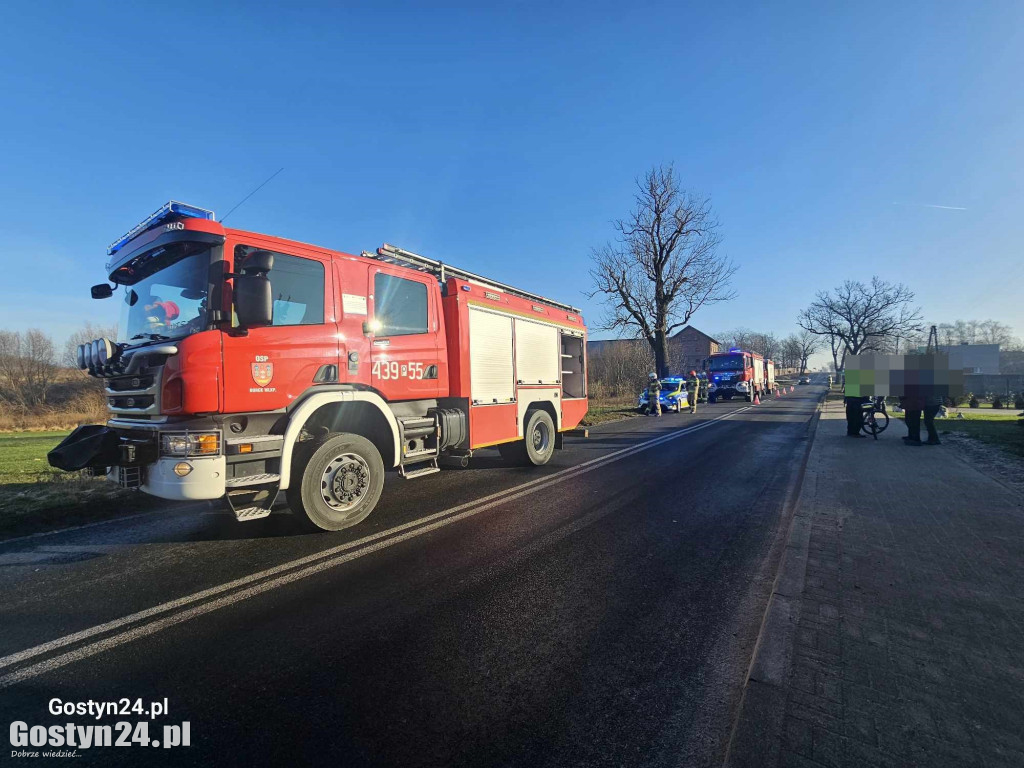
601 610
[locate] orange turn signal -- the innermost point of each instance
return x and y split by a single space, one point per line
206 444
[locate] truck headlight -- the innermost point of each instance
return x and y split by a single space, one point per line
190 443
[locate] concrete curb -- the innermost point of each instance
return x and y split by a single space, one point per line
757 731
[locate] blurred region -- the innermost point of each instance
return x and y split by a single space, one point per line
924 375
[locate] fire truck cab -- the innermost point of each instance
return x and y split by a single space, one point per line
736 373
247 365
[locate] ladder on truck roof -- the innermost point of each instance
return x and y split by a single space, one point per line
394 255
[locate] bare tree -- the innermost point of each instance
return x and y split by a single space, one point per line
806 345
27 366
993 332
765 344
664 265
966 332
856 317
740 338
789 356
827 324
85 334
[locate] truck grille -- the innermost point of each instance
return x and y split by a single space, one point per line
128 383
134 397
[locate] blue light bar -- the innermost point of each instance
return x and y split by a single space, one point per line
171 210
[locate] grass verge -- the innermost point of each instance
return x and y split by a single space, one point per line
603 411
1002 429
34 496
1005 433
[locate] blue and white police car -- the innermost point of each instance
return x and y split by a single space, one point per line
673 395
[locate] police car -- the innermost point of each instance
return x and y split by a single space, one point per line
673 395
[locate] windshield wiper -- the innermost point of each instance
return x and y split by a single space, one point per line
150 336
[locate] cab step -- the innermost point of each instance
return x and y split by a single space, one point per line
245 480
426 452
419 472
252 502
251 513
427 467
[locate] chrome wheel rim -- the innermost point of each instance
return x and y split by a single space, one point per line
345 482
540 437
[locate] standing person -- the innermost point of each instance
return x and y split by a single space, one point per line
913 405
692 390
932 404
653 395
854 415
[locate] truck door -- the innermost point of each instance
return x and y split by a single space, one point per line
406 351
267 368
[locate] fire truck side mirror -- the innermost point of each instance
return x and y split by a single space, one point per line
254 302
101 291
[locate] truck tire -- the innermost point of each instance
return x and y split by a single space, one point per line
538 445
540 437
336 483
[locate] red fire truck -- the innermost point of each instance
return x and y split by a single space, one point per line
736 373
247 365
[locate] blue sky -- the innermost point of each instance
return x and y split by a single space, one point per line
506 140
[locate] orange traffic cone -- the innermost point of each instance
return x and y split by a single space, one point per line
757 400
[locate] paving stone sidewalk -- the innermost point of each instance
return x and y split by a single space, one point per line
903 643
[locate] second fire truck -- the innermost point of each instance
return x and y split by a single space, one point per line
738 373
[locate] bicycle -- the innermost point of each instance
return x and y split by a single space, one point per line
875 417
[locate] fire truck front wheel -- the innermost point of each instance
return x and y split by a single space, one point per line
336 483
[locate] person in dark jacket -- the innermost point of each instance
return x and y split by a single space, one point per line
932 404
855 415
913 406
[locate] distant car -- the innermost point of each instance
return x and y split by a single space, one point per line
804 380
672 398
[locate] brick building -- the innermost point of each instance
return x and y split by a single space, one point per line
692 346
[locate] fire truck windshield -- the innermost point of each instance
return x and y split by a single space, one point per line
167 303
727 363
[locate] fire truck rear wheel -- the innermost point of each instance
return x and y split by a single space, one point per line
540 437
539 444
339 484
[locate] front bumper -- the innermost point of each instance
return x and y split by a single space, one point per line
131 458
643 402
205 481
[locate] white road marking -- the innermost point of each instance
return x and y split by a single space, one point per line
328 558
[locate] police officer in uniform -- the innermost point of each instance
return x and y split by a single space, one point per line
653 395
692 390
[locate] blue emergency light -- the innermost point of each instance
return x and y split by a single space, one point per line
171 210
